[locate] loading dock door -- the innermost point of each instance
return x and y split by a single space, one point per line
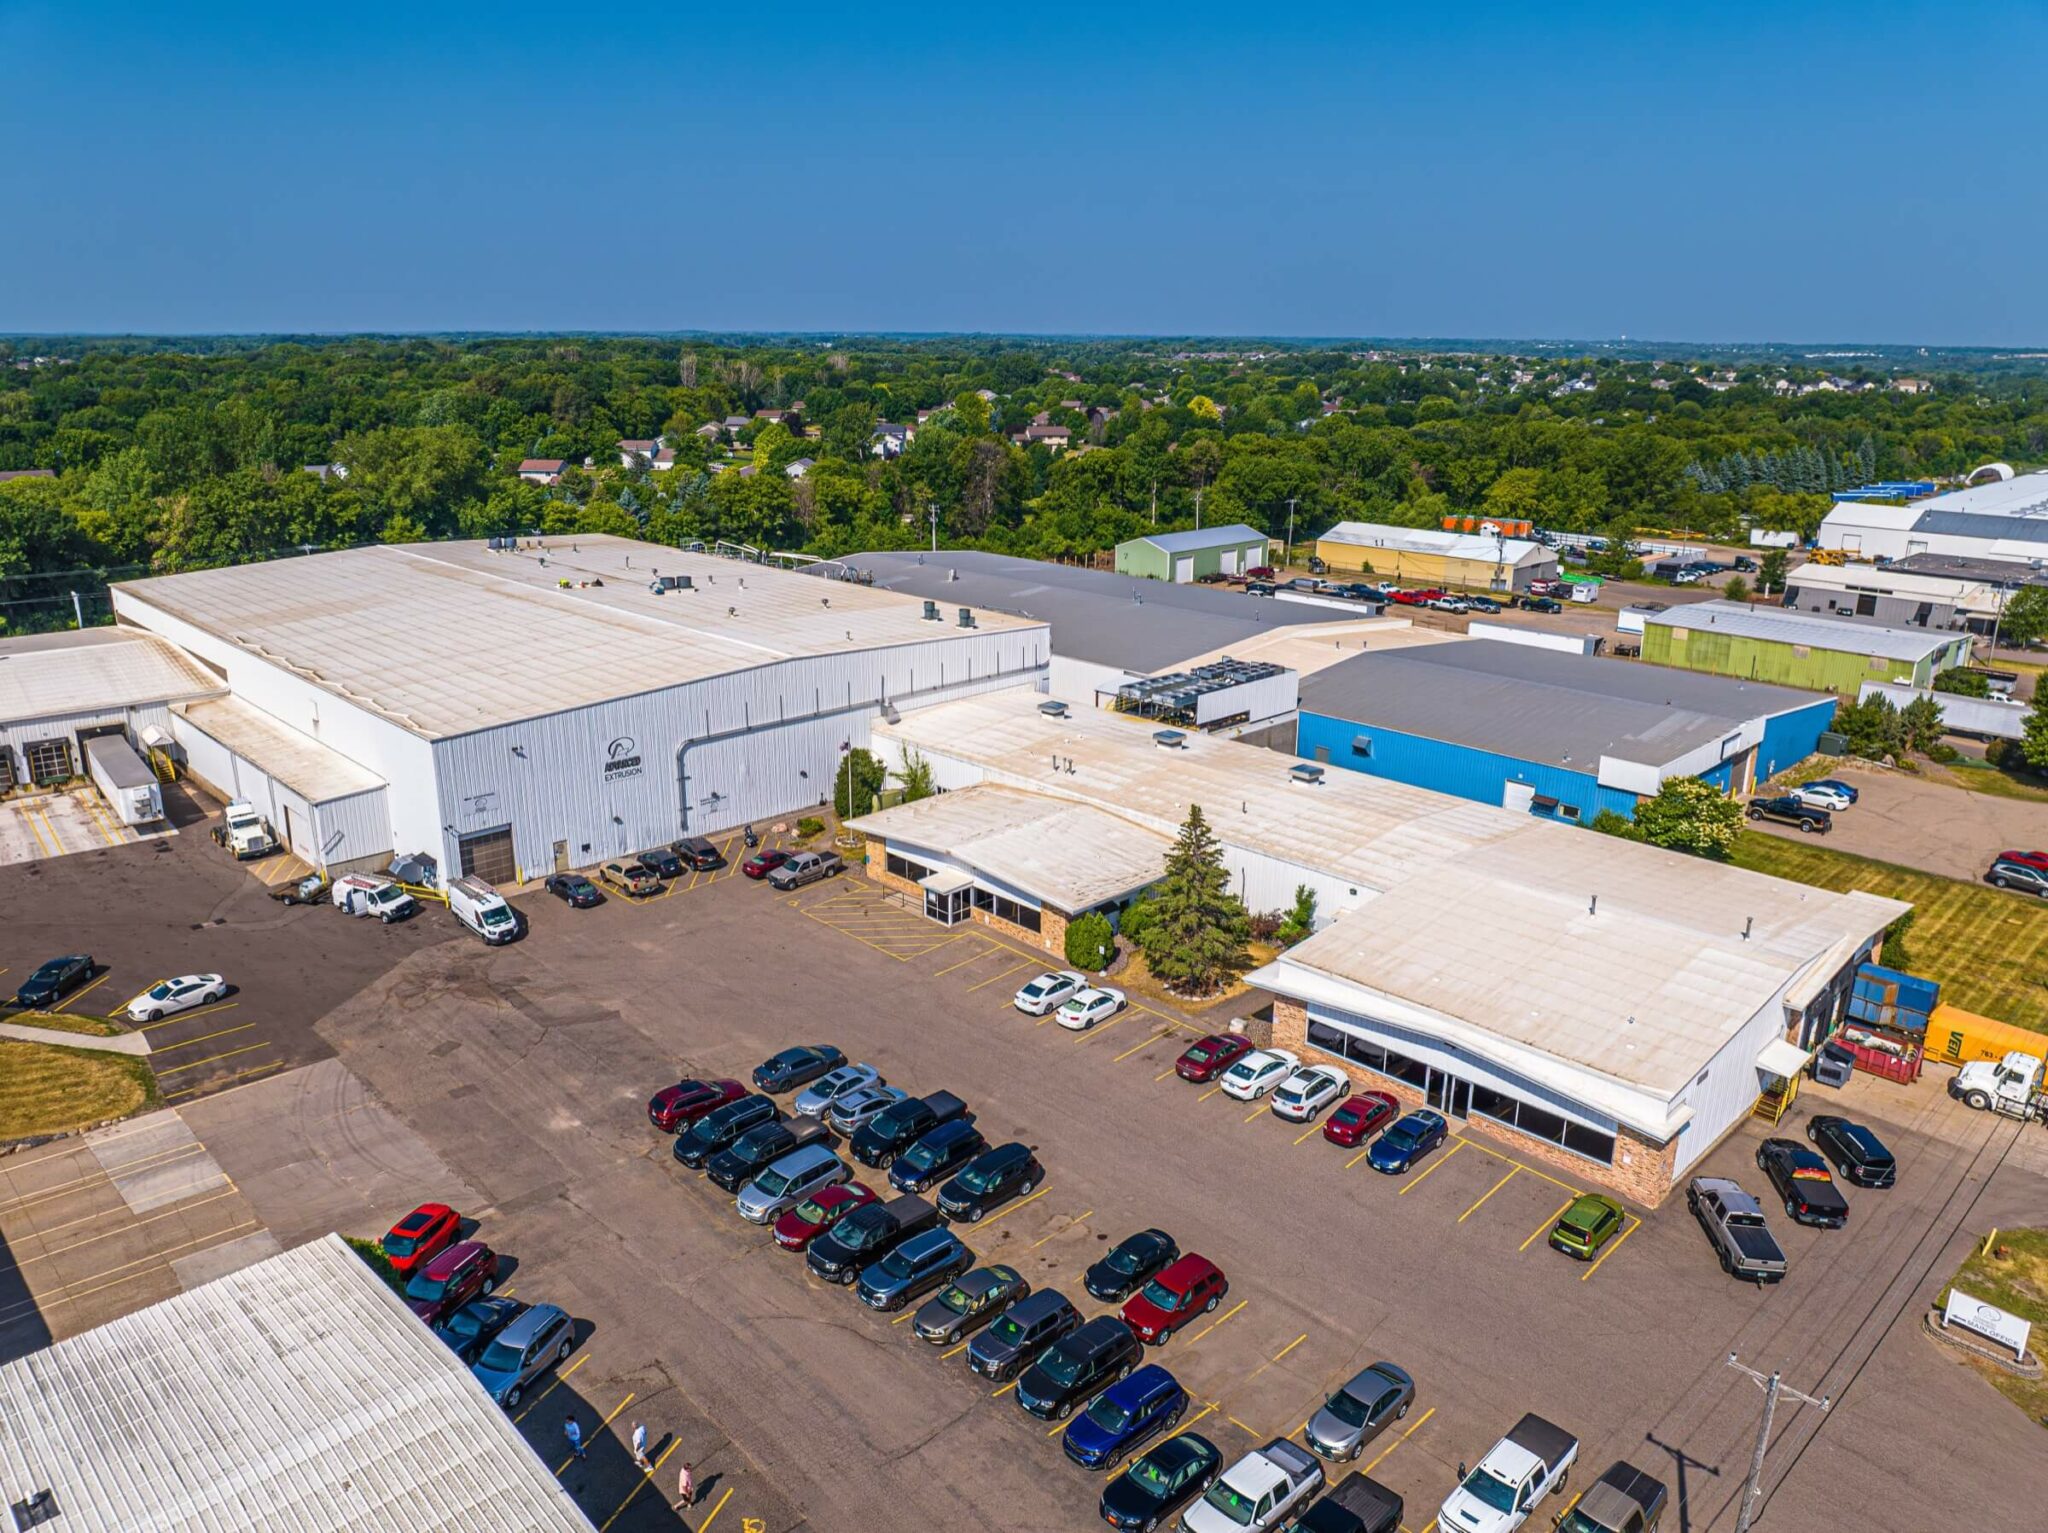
488 855
6 767
49 761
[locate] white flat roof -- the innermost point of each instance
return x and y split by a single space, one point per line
94 669
1475 914
297 1395
300 762
446 638
1425 540
1787 625
1309 648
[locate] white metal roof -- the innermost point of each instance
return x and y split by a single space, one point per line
297 1395
445 638
92 669
1786 625
1453 545
1477 916
1231 536
300 762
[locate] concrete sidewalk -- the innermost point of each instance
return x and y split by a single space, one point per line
121 1043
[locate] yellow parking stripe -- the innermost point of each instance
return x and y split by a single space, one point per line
1453 1155
1288 1348
1004 1390
1209 1093
1545 1227
1390 1447
1205 1330
646 1478
996 978
956 1351
1513 1172
83 991
1610 1250
1313 1128
275 1064
28 813
1127 1053
1074 1223
1249 1430
187 1016
1102 1027
1257 1111
534 1403
1509 1160
186 1043
562 1468
963 963
213 1058
705 1525
991 1219
1205 1410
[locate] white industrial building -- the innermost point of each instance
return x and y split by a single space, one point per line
1598 1003
59 689
2005 518
513 708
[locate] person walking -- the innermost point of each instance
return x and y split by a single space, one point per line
574 1433
686 1489
640 1448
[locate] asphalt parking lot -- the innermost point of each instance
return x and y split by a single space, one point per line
525 1071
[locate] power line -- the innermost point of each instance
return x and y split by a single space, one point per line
1773 1385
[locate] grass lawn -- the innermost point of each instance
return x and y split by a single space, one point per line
64 1022
45 1090
2018 1284
1982 777
1989 949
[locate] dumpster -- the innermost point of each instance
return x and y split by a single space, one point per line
1888 1015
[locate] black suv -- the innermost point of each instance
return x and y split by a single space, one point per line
1021 1332
1787 810
759 1147
868 1234
660 861
901 1125
698 853
719 1128
1094 1357
937 1156
1804 1182
1858 1154
1008 1171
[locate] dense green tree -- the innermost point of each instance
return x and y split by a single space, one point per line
1687 814
1090 943
2024 619
854 786
1300 920
1770 572
2034 739
1194 939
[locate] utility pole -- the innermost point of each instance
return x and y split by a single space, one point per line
1155 500
934 509
1290 529
1773 1385
1198 509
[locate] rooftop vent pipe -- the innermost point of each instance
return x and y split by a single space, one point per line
931 612
966 617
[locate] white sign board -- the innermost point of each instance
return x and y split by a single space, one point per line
1987 1320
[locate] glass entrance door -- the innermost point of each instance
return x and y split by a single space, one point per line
1449 1095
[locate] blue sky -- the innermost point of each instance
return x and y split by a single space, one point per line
1735 172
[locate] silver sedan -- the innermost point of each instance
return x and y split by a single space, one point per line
815 1100
1360 1411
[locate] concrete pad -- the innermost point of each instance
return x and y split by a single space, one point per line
151 1163
120 1043
204 1266
42 825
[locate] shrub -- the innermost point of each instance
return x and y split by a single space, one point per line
809 826
1300 921
1090 942
374 1258
1611 822
1265 925
1963 683
1943 752
1690 815
1141 915
2003 754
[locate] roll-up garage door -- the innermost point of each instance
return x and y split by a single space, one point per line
6 767
488 855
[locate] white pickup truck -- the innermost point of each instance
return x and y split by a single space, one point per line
1531 1462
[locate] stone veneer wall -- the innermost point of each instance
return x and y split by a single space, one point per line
1642 1171
1052 932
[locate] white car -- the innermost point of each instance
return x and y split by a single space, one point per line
1048 991
1814 796
1309 1090
1258 1073
180 994
1090 1007
1451 604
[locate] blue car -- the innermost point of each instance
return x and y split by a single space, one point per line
1124 1415
1847 790
1407 1142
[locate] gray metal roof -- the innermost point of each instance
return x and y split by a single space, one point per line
1965 567
88 670
1541 705
297 1395
1782 625
1231 536
1984 524
1121 620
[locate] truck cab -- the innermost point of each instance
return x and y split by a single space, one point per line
2010 1086
1531 1462
244 832
1623 1500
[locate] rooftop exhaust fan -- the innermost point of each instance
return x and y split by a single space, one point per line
1169 739
931 612
1308 776
966 617
1052 710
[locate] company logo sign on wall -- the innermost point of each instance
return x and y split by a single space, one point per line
621 759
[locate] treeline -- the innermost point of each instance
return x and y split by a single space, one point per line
171 458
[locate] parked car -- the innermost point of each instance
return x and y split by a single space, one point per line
574 890
630 878
539 1339
796 1067
1048 991
1407 1141
867 1235
717 1129
1817 796
1096 1004
1357 1118
168 996
1586 1226
853 1110
365 894
2036 860
698 853
1734 1222
1357 1505
1145 1495
1451 604
1858 1154
819 1212
1803 1180
806 1167
53 980
1623 1500
1360 1410
2021 877
1537 604
420 1236
1007 1171
1784 809
659 861
761 1147
900 1125
968 1303
674 1108
1205 1060
470 1329
1124 1415
805 868
1258 1073
1847 790
1501 1493
1485 604
912 1267
1265 1489
450 1280
1102 1351
764 862
1189 1286
1018 1335
1408 598
1308 1091
936 1156
816 1099
1260 572
1129 1264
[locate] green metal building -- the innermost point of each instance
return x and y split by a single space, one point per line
1184 557
1789 648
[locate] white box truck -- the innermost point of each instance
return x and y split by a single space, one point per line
482 909
124 780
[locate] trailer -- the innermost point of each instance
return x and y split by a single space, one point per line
124 780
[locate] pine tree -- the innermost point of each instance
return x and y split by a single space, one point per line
1195 939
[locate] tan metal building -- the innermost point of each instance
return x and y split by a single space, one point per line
1423 556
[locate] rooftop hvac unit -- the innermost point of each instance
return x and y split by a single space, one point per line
966 617
1053 710
931 612
1169 739
1308 776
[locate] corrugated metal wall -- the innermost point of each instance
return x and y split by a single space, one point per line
1791 737
1481 776
1788 665
66 726
353 828
343 830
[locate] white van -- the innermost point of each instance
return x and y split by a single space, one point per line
482 909
365 894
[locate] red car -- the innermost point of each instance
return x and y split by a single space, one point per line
1188 1287
1416 598
1355 1122
761 864
2037 860
1259 572
462 1272
421 1236
1206 1060
674 1108
819 1212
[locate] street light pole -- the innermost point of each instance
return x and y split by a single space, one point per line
1773 1385
1290 530
934 509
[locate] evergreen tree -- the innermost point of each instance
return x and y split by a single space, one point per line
916 773
1195 939
1920 721
2034 741
1300 921
854 786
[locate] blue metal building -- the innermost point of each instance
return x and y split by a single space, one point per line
1560 735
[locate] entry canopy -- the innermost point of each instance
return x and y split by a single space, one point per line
946 881
1782 1059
